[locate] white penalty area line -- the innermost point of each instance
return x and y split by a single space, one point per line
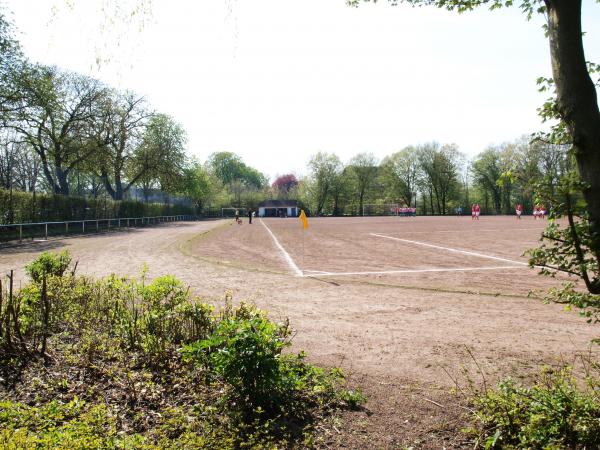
448 249
286 256
391 272
315 272
478 230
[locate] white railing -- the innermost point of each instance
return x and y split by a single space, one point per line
19 231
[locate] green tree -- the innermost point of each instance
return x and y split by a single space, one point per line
400 172
363 169
253 178
226 166
486 172
229 168
55 118
439 164
196 184
10 65
341 189
161 156
119 129
325 168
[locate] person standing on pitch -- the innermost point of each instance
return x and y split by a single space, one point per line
249 216
519 210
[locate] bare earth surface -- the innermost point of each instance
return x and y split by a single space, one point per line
433 288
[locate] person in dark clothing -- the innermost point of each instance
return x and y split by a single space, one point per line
250 216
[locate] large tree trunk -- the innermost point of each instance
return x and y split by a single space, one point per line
119 191
431 201
336 208
361 211
107 184
486 202
62 177
577 100
48 172
497 208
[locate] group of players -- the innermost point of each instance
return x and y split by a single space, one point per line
539 211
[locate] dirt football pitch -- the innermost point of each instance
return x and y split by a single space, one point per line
404 305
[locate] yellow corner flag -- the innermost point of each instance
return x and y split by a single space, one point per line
303 219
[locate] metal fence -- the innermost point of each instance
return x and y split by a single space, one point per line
18 232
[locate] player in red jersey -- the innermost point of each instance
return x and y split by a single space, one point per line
519 210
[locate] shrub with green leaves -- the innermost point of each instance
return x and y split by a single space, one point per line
29 316
154 315
137 345
587 304
569 246
552 414
245 351
48 264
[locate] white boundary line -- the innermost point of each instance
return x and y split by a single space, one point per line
478 230
480 255
386 272
286 256
315 272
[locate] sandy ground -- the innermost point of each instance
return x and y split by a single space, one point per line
399 334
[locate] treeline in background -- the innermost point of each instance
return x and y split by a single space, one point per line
434 178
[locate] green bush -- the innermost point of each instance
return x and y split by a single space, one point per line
48 264
128 343
30 316
552 414
168 316
245 351
153 315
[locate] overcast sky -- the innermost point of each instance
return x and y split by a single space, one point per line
275 81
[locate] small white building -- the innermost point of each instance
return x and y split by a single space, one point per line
278 208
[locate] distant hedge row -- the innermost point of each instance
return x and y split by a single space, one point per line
24 207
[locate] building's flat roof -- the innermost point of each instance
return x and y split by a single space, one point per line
278 204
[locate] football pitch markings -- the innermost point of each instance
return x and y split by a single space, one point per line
296 271
286 256
449 249
497 230
318 273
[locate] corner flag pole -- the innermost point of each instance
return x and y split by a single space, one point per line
304 221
